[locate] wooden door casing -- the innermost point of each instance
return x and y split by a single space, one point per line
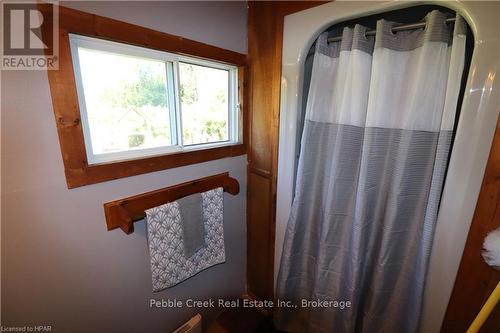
265 40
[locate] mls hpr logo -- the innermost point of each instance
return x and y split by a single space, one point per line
29 35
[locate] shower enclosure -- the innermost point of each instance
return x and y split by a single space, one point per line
477 120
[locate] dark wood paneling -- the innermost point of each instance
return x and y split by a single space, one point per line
259 201
261 35
65 102
265 36
475 279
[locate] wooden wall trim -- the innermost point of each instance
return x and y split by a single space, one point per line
92 25
475 279
265 39
65 101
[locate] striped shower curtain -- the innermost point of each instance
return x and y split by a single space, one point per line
377 135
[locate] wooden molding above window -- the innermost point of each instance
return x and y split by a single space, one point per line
65 100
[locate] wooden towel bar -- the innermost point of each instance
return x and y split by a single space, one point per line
124 212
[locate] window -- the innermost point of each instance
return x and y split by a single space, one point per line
129 100
137 102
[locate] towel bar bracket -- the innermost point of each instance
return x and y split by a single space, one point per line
124 212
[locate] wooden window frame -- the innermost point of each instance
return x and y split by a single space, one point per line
65 101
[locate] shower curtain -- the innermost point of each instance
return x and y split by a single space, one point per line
375 144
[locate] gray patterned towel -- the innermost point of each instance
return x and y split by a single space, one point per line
169 264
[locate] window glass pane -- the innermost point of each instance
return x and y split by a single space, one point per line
204 94
126 101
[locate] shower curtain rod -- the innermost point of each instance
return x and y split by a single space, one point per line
403 27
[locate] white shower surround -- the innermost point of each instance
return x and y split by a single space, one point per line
478 118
